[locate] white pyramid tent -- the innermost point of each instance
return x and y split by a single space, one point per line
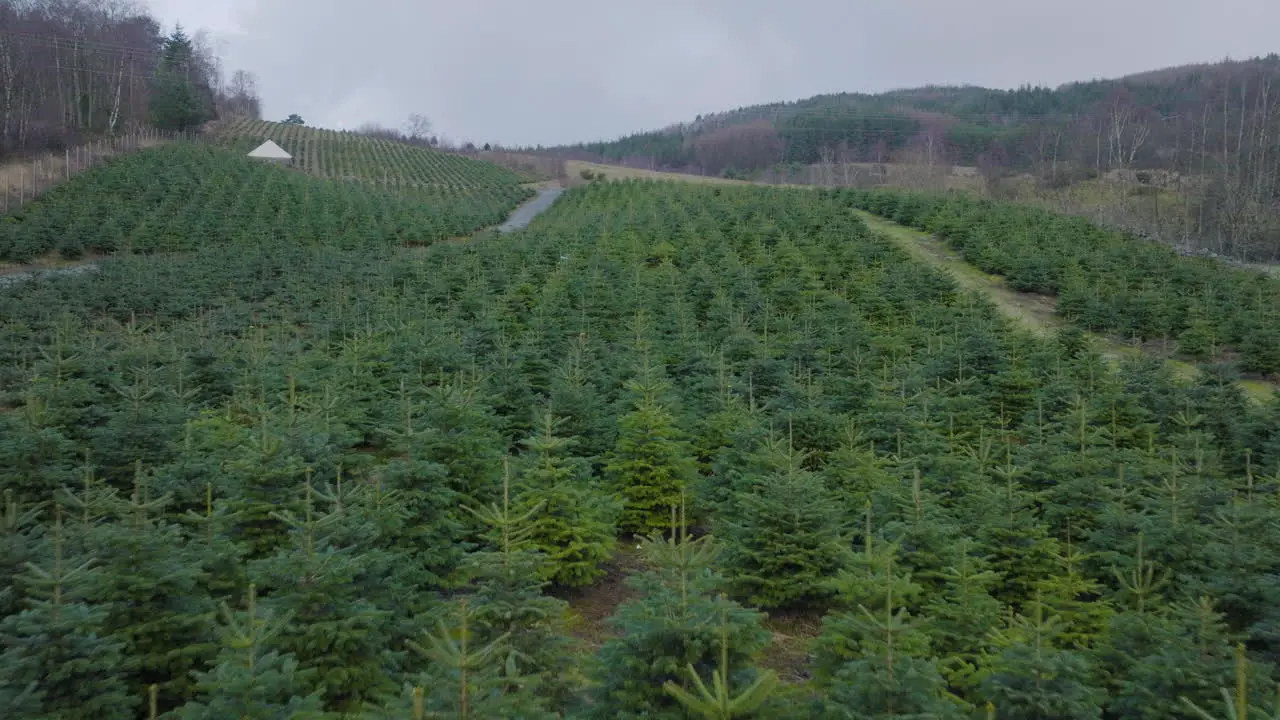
271 151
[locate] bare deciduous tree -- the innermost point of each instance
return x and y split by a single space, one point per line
417 128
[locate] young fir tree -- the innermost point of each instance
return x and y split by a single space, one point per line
856 474
465 679
873 576
1152 659
150 581
506 600
1018 542
1032 678
575 396
894 677
18 542
55 661
1239 704
251 679
963 615
783 539
671 627
651 466
722 701
1075 599
262 476
220 558
336 631
434 532
575 527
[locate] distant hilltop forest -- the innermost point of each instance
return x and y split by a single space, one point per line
1212 128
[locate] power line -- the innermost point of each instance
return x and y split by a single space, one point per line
52 40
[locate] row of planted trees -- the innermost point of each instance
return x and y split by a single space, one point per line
337 154
393 469
187 196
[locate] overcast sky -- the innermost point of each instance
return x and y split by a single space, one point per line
557 71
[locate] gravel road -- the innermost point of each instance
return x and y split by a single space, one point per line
525 214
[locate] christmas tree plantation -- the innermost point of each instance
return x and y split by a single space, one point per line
350 479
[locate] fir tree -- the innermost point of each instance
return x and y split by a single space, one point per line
1154 658
651 466
506 600
963 615
575 526
18 536
181 98
720 702
783 539
55 660
465 679
150 583
671 627
335 630
1031 679
894 676
251 678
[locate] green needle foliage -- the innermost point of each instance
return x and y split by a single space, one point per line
251 678
651 466
575 527
55 663
283 381
679 623
783 539
718 702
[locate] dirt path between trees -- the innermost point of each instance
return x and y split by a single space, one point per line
1033 312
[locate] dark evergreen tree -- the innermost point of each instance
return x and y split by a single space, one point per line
336 629
1029 678
464 679
55 660
150 582
894 677
506 601
181 98
722 701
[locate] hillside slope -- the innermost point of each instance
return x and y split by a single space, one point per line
188 196
1206 136
351 156
299 431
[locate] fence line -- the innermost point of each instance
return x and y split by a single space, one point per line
22 181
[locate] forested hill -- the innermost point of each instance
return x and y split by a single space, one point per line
1160 119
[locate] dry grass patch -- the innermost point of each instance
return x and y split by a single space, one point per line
615 172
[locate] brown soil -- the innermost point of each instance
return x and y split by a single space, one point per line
591 607
49 261
788 654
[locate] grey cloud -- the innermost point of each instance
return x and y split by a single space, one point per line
523 72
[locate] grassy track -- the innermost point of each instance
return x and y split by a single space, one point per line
1032 311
